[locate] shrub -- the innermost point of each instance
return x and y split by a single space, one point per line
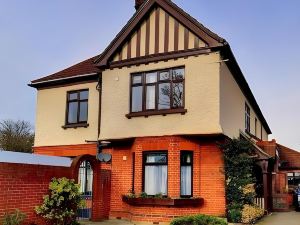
15 218
251 213
61 205
199 220
234 212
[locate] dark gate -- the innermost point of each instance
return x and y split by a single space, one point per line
85 180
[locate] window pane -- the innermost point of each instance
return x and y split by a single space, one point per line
83 112
186 181
151 77
137 79
164 96
178 74
156 178
137 99
156 158
72 113
84 95
72 96
164 75
150 97
186 158
177 95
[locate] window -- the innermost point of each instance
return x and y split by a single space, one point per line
77 107
155 180
255 127
293 179
247 118
157 90
186 174
85 178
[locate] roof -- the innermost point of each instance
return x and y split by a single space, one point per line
34 159
84 68
290 159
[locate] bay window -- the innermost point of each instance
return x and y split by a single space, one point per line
155 173
186 173
157 90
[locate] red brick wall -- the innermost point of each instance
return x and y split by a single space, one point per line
208 178
23 186
67 150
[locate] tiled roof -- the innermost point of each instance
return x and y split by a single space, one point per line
83 68
290 158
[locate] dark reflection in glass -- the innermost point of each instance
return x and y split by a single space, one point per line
164 96
177 95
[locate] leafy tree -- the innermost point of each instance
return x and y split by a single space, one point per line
16 136
239 163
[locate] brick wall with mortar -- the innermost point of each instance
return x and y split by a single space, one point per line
208 178
23 187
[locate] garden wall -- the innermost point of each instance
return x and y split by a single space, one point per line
23 185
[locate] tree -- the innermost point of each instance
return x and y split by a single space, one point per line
16 136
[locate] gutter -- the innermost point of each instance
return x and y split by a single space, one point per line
33 84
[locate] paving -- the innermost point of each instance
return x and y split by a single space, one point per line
107 222
284 218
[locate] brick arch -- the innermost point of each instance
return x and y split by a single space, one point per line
77 162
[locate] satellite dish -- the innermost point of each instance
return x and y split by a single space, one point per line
103 157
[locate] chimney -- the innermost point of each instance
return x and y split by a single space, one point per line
138 3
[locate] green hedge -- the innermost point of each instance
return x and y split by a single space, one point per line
199 220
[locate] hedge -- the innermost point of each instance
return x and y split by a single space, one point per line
199 220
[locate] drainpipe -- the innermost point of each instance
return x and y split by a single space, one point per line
99 89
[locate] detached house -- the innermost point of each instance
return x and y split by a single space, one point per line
159 98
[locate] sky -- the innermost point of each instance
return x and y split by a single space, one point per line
38 38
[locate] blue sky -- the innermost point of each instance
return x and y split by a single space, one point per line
38 38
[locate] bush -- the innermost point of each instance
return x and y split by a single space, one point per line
234 212
15 218
61 205
199 220
251 213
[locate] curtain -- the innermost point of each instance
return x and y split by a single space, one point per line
186 181
156 178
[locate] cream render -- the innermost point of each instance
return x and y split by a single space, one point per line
232 107
51 115
201 100
215 104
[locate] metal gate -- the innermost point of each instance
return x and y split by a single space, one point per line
85 179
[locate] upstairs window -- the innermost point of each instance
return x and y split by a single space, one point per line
157 90
247 118
77 107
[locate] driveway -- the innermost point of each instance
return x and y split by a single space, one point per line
284 218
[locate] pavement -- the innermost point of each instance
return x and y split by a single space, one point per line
283 218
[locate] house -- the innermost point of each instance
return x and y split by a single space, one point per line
159 99
285 172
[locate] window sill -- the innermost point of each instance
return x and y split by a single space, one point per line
158 112
175 202
75 126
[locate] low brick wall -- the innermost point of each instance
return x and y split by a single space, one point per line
22 186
